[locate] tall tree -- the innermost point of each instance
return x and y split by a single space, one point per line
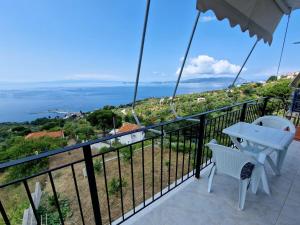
103 119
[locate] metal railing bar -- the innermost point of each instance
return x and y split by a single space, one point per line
4 215
36 215
152 168
224 124
106 189
90 171
121 183
195 150
177 146
132 180
190 148
161 160
143 171
56 198
183 154
77 194
170 161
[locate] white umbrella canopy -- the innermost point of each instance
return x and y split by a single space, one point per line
259 17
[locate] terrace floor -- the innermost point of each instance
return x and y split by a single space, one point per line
191 204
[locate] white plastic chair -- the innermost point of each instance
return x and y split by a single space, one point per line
280 123
230 162
276 122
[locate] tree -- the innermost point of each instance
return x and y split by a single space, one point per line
21 147
21 130
80 130
272 78
103 119
279 89
41 121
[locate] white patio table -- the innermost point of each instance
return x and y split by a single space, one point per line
258 140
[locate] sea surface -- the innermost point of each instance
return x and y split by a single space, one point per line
21 104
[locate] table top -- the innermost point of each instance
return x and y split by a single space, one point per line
265 136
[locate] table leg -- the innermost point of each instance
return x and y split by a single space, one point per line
264 180
273 166
280 159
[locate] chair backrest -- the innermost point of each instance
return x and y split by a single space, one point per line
229 161
276 122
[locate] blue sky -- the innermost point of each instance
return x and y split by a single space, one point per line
99 40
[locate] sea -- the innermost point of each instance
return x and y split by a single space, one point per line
20 103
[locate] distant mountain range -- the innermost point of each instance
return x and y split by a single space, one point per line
95 83
214 79
217 79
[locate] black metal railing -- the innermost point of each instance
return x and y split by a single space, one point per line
113 185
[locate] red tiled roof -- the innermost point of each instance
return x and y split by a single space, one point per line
128 127
53 134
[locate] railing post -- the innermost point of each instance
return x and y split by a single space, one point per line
243 113
200 145
87 152
4 215
263 110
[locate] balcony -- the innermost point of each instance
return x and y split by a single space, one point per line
192 204
152 181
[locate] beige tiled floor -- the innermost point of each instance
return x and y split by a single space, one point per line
191 204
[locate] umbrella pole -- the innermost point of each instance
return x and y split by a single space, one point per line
139 69
283 43
183 64
242 67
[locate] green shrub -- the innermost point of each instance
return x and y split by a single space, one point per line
114 186
21 130
98 166
48 208
104 149
126 153
167 163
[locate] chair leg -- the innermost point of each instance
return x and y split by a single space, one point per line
210 180
242 193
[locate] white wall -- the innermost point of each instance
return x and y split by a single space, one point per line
131 138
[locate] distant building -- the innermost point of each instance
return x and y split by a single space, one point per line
53 134
74 115
98 146
129 138
290 75
201 99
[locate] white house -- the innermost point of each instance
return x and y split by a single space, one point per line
129 138
201 99
99 145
